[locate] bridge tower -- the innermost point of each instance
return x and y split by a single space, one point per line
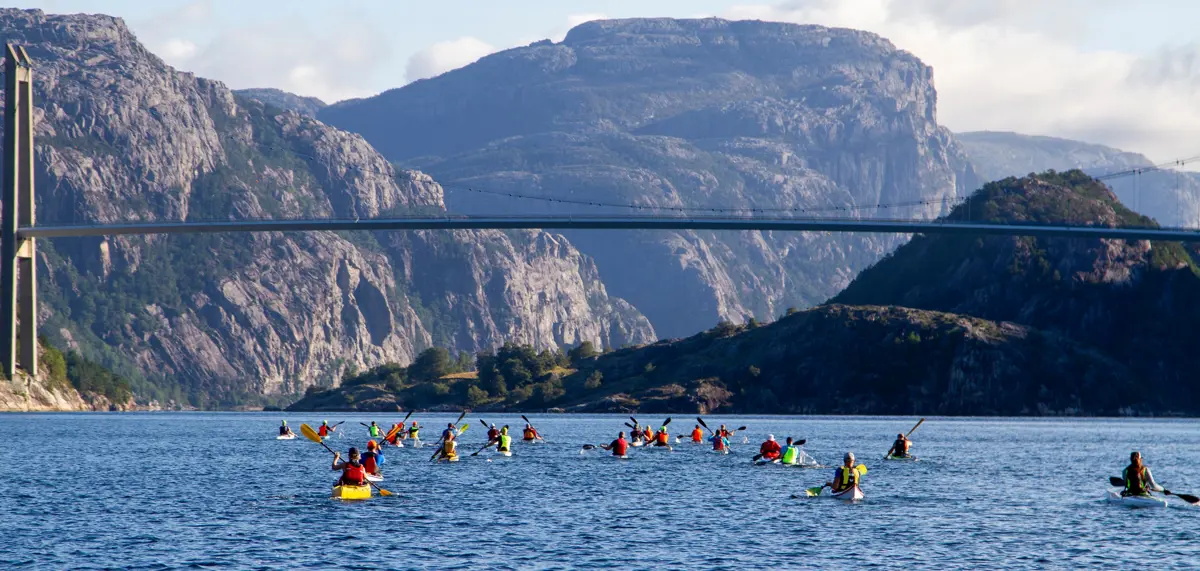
18 268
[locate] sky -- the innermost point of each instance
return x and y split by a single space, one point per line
1125 73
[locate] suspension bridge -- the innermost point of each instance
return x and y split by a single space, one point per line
19 231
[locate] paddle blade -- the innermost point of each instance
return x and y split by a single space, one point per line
384 492
309 433
740 428
814 492
861 469
1188 498
800 442
526 419
464 428
667 421
702 423
406 416
1116 481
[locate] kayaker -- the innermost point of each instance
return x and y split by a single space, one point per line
719 441
395 434
619 446
373 458
770 449
374 430
449 449
325 429
697 435
530 433
284 429
900 447
503 440
661 438
492 433
353 473
1138 479
414 431
791 454
647 434
845 477
450 431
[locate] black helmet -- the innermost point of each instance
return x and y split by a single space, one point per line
353 450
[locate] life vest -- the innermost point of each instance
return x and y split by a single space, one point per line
900 448
414 433
662 438
697 436
1135 482
620 447
492 434
505 442
323 431
769 450
368 462
647 434
847 478
789 455
529 434
374 430
354 474
718 442
450 449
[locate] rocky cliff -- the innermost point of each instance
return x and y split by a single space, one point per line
307 106
1170 196
217 319
680 117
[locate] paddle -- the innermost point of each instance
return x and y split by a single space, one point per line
1185 497
535 430
667 421
631 427
816 491
443 437
311 434
914 429
485 447
704 424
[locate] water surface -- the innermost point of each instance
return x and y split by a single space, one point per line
217 491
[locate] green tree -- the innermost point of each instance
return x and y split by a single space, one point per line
594 381
432 364
476 396
581 352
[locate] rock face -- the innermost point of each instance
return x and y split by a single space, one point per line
307 106
1135 302
1172 197
681 117
123 137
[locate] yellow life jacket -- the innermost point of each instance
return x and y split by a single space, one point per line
848 480
450 449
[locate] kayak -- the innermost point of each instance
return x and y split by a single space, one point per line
506 453
374 478
637 443
444 459
621 457
352 492
722 451
853 494
415 443
657 447
908 458
286 437
1136 501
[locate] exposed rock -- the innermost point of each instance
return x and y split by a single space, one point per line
681 116
307 106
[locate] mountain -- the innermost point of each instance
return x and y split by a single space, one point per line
832 359
1137 302
1172 197
686 116
218 320
307 106
67 382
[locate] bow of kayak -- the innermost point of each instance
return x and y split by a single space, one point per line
374 478
852 495
352 492
1136 501
901 458
286 437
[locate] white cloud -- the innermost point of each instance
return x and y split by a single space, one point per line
445 56
998 68
177 50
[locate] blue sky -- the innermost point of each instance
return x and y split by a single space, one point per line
1119 72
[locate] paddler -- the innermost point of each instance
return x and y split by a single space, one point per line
450 431
697 435
503 440
619 446
374 430
647 434
845 477
353 473
414 431
395 434
720 442
492 434
661 438
373 459
791 453
770 449
284 429
325 430
900 447
1138 479
449 449
530 433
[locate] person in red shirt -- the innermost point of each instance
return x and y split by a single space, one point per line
493 434
619 446
353 473
697 435
770 449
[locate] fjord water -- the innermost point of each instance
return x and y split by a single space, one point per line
209 491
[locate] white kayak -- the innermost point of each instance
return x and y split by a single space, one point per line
621 457
505 453
374 478
637 443
291 436
909 458
852 495
1136 501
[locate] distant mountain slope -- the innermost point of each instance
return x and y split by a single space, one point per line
307 106
1171 197
683 116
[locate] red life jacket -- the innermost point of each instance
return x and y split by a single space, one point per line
492 434
662 438
697 436
368 462
770 450
354 475
620 447
718 442
647 435
323 431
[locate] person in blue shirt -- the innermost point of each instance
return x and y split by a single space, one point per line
372 459
720 442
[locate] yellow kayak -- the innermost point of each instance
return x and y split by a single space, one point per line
352 492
